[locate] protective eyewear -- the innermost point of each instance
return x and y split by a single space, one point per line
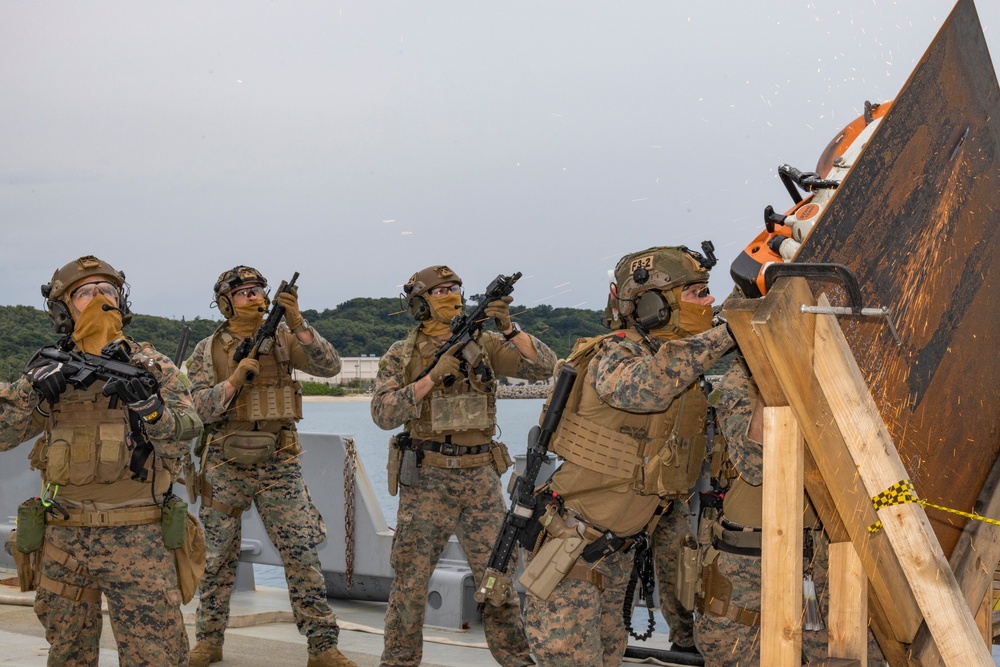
443 290
700 290
255 292
90 290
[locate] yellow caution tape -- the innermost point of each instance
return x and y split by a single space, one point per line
902 492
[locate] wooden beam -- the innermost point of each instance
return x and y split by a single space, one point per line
781 536
900 616
848 618
817 371
973 561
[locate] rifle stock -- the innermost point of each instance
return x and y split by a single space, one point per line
497 583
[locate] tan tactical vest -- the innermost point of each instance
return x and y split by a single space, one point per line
85 452
272 401
466 412
619 465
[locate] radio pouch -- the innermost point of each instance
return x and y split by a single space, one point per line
173 522
30 526
395 460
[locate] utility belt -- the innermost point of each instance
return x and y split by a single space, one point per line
30 547
407 456
699 571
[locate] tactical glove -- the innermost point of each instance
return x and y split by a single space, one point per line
447 365
244 372
141 395
500 311
47 380
290 302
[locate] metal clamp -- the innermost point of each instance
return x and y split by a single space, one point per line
832 271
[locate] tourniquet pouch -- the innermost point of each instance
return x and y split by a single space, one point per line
30 526
27 564
501 457
173 522
249 446
189 559
460 412
550 565
395 459
288 443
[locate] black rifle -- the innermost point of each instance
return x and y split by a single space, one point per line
182 346
263 340
81 370
497 583
464 329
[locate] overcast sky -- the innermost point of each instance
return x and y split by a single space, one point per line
356 142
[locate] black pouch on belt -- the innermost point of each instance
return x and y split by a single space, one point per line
605 545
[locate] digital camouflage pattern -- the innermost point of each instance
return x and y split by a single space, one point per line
583 626
393 404
722 642
670 530
276 487
579 625
467 502
136 573
293 525
128 563
629 378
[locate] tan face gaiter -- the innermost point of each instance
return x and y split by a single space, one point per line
96 327
695 318
443 310
246 319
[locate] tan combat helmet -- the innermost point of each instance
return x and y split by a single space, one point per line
645 285
422 282
232 279
58 291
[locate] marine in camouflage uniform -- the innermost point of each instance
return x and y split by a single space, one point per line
252 457
632 437
107 536
727 626
458 490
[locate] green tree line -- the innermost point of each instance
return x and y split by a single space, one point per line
358 327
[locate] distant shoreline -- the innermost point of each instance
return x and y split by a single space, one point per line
522 391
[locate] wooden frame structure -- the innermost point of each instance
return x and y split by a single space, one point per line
921 607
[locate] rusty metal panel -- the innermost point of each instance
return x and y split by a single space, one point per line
918 220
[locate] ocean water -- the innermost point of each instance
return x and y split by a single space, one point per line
515 417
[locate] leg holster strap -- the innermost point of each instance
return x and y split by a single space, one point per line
77 593
53 553
208 500
740 615
584 573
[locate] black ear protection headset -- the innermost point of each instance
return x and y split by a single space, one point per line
417 305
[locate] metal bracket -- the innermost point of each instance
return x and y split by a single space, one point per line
827 272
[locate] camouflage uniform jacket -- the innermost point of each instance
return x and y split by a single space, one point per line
393 404
628 377
208 388
23 416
